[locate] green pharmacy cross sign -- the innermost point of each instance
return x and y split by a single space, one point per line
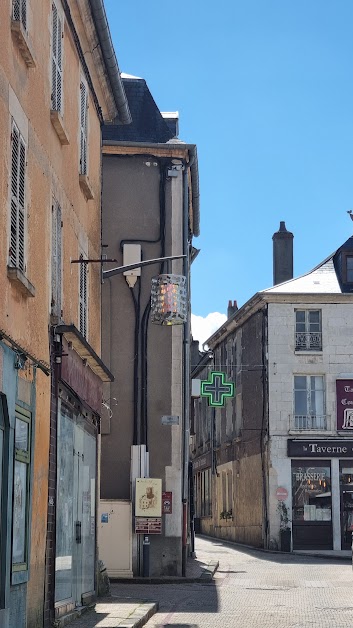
217 389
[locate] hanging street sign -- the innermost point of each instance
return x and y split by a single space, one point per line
217 389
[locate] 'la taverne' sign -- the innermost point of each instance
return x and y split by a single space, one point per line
320 448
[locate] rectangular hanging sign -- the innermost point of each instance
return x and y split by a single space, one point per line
148 525
148 497
170 419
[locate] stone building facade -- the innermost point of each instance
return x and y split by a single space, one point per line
54 96
280 454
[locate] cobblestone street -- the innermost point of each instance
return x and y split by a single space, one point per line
254 589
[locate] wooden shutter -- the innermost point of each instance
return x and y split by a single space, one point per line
56 264
19 12
83 298
83 129
56 61
17 219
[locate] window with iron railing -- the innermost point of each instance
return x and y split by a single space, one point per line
19 12
308 330
309 403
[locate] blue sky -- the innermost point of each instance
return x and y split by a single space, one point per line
265 90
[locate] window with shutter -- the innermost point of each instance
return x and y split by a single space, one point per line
56 265
83 128
17 219
56 60
83 302
19 12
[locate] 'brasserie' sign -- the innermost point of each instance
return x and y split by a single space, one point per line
344 402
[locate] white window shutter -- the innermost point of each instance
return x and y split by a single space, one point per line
17 219
83 128
56 266
83 304
56 60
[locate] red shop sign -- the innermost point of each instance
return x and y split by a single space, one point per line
344 403
281 494
167 503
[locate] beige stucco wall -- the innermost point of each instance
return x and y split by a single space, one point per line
52 171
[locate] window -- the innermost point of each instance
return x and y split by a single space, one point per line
309 403
83 304
56 263
203 493
56 60
308 330
21 490
19 12
349 268
17 184
311 488
83 127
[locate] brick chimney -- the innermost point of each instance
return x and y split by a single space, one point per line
232 308
282 254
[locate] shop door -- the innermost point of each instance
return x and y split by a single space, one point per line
346 516
75 526
346 486
84 513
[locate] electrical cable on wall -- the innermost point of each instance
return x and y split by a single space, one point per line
140 431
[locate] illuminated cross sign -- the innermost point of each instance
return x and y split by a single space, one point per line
217 389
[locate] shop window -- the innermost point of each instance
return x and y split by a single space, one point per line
21 490
308 330
309 403
311 492
311 504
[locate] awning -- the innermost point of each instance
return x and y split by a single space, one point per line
85 351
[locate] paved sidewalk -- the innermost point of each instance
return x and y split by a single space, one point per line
126 612
200 569
116 611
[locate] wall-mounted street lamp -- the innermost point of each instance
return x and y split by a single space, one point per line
168 300
168 291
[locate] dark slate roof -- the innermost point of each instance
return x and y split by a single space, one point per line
327 277
148 124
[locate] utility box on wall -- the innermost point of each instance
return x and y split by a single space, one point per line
114 537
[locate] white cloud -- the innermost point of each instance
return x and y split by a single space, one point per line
203 327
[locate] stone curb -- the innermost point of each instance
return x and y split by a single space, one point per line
205 576
140 616
278 552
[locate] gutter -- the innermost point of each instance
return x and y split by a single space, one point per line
194 168
110 60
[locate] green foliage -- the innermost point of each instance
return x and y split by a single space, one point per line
226 514
284 515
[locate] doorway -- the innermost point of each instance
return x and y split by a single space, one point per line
76 508
346 490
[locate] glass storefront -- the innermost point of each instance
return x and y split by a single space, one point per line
75 513
311 504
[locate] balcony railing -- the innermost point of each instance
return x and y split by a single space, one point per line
308 341
309 422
